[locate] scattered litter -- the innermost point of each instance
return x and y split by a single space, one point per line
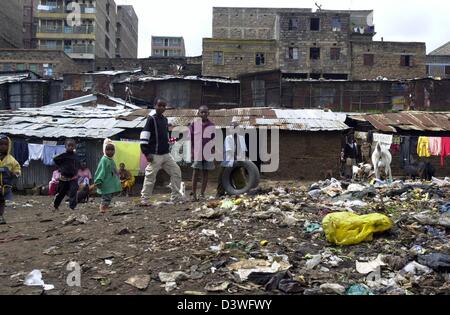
210 233
332 288
436 261
359 289
140 282
34 279
176 276
368 267
211 287
76 219
415 268
345 228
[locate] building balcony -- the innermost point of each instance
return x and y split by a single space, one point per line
88 49
60 12
85 32
83 29
62 9
363 30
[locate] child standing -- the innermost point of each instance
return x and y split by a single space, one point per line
106 177
69 165
9 168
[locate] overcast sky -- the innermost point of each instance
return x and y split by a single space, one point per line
405 20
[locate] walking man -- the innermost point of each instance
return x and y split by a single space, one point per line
155 146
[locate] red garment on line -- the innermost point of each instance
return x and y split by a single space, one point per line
445 149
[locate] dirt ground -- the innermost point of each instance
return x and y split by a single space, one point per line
131 241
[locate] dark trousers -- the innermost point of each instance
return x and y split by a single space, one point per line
2 202
67 188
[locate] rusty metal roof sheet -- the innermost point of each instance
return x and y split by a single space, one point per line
72 119
417 121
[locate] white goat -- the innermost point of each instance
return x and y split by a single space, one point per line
382 158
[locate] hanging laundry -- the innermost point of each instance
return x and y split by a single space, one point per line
445 149
395 147
414 141
50 151
82 151
423 147
128 153
35 153
405 156
435 146
384 140
21 152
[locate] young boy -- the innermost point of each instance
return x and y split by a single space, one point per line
9 168
69 165
106 177
198 142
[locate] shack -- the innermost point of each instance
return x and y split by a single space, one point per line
180 91
28 89
403 130
309 143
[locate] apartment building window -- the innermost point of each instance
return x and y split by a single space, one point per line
314 53
369 60
336 24
107 43
20 67
34 67
315 24
107 26
7 67
166 42
108 7
447 70
260 59
166 53
293 24
218 58
292 53
406 61
335 53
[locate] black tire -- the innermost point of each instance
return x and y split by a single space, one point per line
252 180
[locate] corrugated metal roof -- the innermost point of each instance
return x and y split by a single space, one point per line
72 119
148 78
13 78
417 121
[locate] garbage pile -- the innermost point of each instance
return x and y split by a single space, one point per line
333 238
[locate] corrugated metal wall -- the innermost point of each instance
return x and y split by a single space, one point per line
37 174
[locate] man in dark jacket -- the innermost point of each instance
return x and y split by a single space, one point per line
155 146
351 153
69 165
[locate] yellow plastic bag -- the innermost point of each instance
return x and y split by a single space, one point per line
346 228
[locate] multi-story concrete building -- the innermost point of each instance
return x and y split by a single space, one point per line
165 46
323 44
391 60
438 62
89 35
127 32
47 63
29 24
11 23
